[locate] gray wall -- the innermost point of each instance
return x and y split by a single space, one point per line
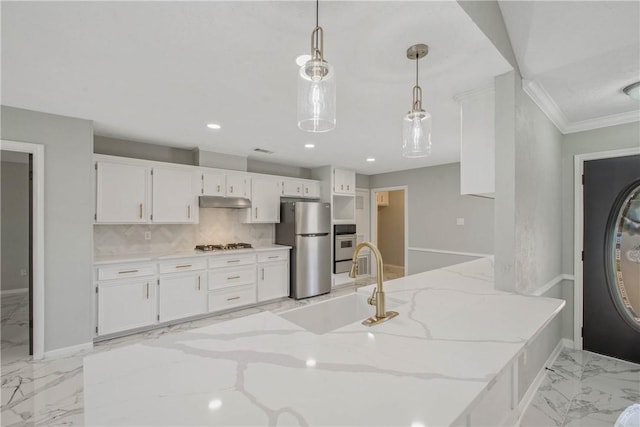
391 229
68 219
141 150
259 166
592 141
362 181
434 204
14 214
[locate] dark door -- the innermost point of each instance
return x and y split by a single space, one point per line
611 266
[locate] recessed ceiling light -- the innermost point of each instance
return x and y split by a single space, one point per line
213 126
309 145
311 363
370 159
302 59
633 90
215 404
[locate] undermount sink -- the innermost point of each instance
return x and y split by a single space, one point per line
326 316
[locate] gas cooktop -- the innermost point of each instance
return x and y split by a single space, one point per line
226 247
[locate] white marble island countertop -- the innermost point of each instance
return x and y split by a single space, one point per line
454 334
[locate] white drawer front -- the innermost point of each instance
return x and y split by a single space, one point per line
273 256
187 264
231 260
120 271
224 299
226 277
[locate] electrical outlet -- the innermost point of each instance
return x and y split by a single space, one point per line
147 235
23 272
459 221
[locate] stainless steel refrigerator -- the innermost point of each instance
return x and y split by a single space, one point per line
307 227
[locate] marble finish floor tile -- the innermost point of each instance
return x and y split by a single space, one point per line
584 389
14 326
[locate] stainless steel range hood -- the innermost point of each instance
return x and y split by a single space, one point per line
224 202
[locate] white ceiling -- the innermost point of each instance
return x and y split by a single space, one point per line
160 71
578 56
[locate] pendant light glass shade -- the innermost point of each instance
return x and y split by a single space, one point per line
416 134
416 126
316 96
316 88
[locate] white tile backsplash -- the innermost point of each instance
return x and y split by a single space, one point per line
217 225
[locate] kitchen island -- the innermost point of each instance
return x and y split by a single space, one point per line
450 358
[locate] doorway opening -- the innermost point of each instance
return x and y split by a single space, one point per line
389 229
22 250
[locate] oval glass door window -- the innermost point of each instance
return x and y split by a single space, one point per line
624 258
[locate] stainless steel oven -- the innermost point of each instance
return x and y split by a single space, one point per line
344 244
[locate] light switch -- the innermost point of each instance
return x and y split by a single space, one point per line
459 221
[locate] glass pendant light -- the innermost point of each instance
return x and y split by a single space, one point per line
416 126
316 88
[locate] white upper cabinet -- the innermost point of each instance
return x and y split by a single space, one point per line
238 185
213 184
265 202
477 143
174 196
291 188
122 193
311 189
344 181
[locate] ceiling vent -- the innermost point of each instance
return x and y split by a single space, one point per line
262 150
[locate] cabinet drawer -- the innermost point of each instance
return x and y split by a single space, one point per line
273 256
224 299
112 272
188 264
231 260
226 277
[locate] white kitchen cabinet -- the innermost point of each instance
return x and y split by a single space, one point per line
174 196
311 190
238 185
213 184
273 275
477 143
182 295
265 202
344 181
122 193
291 188
126 304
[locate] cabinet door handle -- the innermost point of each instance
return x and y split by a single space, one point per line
184 266
127 271
232 298
188 211
218 188
231 188
198 282
297 189
306 190
347 186
147 290
263 274
274 256
233 277
233 260
256 213
342 186
140 210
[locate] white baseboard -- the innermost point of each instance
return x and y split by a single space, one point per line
566 342
67 351
550 284
537 381
14 291
442 251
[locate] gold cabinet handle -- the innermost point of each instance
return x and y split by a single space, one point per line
297 189
233 277
198 282
140 210
188 211
232 298
306 190
341 186
256 212
231 188
184 266
147 290
217 188
263 274
274 256
233 260
127 271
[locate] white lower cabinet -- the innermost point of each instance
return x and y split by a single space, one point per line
273 275
235 296
181 295
126 304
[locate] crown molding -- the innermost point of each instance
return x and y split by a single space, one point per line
543 100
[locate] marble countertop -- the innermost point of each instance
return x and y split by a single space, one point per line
428 366
150 257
